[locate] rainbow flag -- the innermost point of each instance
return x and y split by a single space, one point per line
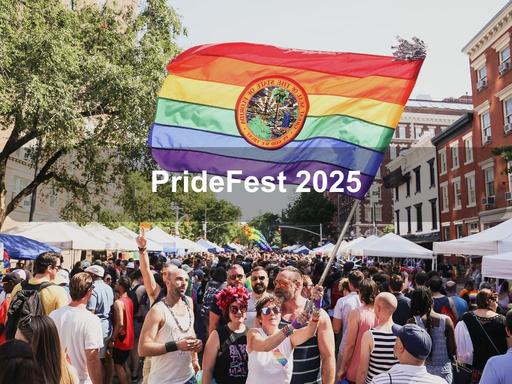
256 236
263 110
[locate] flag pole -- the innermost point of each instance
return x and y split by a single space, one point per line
338 243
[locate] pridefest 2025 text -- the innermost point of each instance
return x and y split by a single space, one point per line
319 181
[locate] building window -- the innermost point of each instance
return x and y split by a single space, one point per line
397 196
20 184
457 194
433 208
397 218
432 173
489 181
378 213
408 209
419 218
468 149
442 161
470 181
485 123
472 228
455 157
446 233
418 132
481 73
401 131
444 196
417 179
408 185
458 231
368 213
509 173
507 110
505 55
392 152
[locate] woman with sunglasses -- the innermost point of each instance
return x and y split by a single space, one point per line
270 349
225 355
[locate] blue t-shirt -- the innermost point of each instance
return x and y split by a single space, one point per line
101 302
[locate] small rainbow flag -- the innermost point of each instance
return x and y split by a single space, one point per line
256 236
265 110
281 359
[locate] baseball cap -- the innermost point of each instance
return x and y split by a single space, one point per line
176 262
415 339
130 265
11 277
95 270
187 268
21 274
85 264
62 277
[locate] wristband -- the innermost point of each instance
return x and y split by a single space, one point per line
295 324
287 330
318 303
142 249
171 346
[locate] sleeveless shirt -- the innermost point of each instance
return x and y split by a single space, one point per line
275 366
125 342
367 320
172 367
382 357
231 363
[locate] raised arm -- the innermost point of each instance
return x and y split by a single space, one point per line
257 342
152 288
300 336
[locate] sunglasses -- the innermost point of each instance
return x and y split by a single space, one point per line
236 277
234 309
256 278
267 310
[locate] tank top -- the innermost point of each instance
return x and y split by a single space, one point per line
367 320
439 355
306 361
382 357
275 366
231 363
125 342
172 367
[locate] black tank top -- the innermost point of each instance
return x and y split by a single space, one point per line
231 362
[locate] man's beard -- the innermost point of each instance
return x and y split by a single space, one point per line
282 294
259 288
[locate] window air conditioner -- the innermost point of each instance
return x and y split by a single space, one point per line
489 200
504 67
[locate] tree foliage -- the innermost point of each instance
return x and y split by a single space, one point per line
79 87
308 211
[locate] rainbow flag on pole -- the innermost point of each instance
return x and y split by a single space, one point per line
255 235
263 110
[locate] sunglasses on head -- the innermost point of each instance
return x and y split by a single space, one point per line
236 277
267 310
235 309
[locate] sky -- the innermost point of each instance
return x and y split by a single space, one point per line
361 26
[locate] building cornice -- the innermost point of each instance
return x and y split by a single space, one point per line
501 22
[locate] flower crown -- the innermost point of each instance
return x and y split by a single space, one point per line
231 294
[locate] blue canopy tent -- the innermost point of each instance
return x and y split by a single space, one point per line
23 248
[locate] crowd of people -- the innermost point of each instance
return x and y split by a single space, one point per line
235 318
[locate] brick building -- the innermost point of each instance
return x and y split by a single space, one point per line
490 62
419 117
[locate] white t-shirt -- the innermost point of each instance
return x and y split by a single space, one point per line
343 307
79 330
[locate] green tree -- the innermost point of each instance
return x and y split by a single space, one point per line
79 87
308 211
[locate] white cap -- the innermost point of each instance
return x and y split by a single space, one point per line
62 277
21 273
96 270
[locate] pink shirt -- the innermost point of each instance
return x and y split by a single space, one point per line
367 320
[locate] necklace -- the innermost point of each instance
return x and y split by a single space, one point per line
176 320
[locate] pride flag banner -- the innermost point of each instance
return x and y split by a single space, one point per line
255 235
265 110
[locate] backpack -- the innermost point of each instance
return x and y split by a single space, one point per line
26 303
133 296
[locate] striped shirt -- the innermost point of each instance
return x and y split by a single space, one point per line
407 374
306 361
382 357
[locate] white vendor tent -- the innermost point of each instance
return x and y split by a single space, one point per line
324 248
151 245
173 243
492 241
356 246
63 235
391 245
302 250
291 248
114 241
497 266
209 245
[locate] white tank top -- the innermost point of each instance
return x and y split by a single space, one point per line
171 367
272 367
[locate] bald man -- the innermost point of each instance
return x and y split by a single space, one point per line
377 344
